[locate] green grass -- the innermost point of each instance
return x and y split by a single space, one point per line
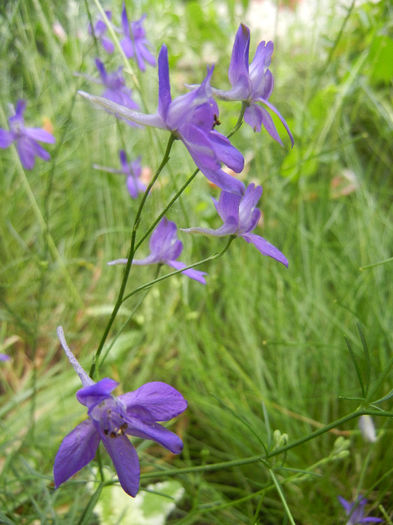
260 348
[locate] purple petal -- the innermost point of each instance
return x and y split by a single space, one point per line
132 187
123 161
39 134
93 394
191 273
265 247
275 110
228 207
370 520
5 357
144 53
225 152
154 431
346 504
248 215
260 77
224 181
20 109
163 237
162 400
127 46
253 116
77 449
124 21
107 44
126 462
40 151
26 151
101 69
6 138
164 86
238 67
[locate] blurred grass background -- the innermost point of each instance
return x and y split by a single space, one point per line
260 347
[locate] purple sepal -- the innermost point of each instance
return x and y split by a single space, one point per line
91 395
263 246
5 357
77 449
196 275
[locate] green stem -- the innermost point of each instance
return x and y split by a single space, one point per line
282 497
131 254
163 277
276 452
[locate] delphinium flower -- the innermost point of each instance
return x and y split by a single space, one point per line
25 138
240 217
355 511
132 171
191 118
135 44
115 86
111 419
252 83
165 248
99 31
4 357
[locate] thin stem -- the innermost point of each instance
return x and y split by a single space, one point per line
276 452
282 497
131 254
163 277
239 120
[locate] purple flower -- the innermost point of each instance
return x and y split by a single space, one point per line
99 31
135 44
4 357
132 170
252 83
190 118
165 248
240 217
110 419
355 511
116 89
25 138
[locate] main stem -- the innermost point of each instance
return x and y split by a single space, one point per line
130 255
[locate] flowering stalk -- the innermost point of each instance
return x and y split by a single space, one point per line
131 254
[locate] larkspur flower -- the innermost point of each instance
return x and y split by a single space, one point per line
99 31
240 217
165 248
191 118
112 418
135 44
132 171
4 357
25 138
355 511
115 86
252 83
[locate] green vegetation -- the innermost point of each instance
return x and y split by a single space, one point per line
260 353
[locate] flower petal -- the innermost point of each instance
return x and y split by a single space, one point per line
225 152
228 207
163 239
275 110
155 432
253 116
162 400
224 181
164 86
107 44
97 392
26 151
124 21
238 67
126 462
39 134
265 247
228 228
6 138
77 449
197 275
